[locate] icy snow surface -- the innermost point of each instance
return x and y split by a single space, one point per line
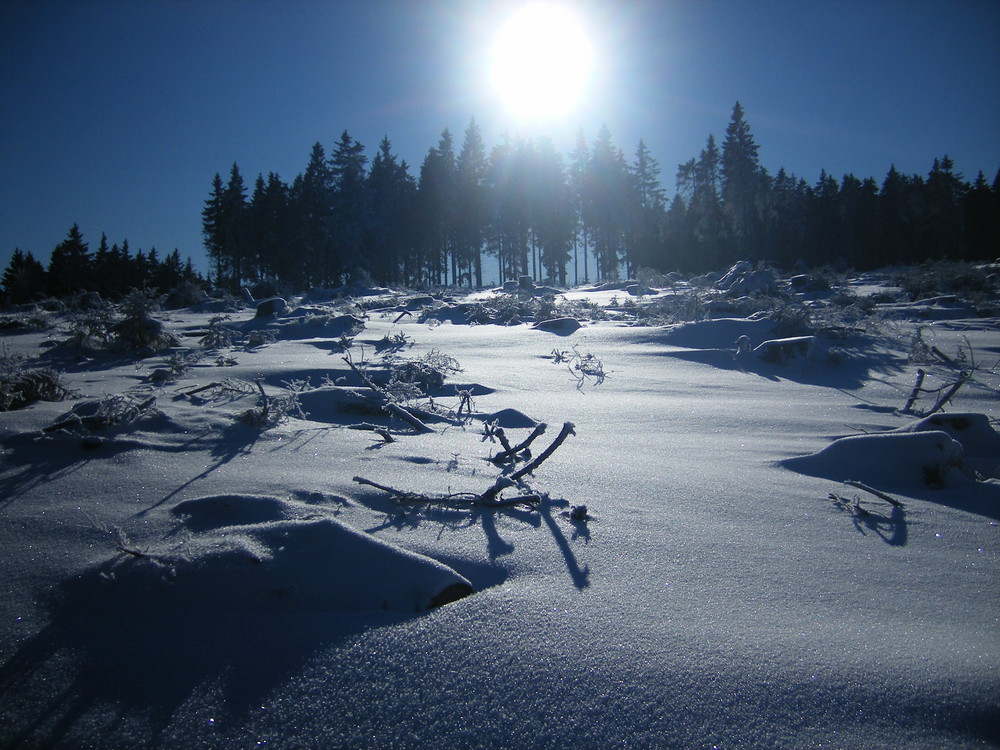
186 579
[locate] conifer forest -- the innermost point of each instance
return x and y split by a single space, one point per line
474 214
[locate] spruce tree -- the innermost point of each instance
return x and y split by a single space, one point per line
470 205
23 279
69 265
743 185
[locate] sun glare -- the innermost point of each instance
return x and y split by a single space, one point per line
541 62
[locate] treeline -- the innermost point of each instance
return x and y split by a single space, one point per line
110 271
591 215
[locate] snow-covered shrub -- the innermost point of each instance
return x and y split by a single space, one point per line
413 378
21 385
218 336
138 330
948 277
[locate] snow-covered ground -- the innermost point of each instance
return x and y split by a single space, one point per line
185 578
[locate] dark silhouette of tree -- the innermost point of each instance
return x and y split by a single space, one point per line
553 217
471 215
311 201
23 279
391 196
211 227
270 228
743 185
436 205
579 178
69 265
981 208
349 210
945 194
608 203
648 214
704 227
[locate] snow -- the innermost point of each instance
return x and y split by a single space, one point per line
716 595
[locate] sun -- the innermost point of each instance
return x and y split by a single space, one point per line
541 62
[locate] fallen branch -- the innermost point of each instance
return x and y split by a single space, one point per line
565 432
487 499
387 403
202 388
915 393
947 395
511 452
877 493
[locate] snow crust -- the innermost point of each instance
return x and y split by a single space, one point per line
716 596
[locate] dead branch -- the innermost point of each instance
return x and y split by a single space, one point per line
487 499
947 394
265 408
877 493
512 452
387 403
915 393
199 389
565 432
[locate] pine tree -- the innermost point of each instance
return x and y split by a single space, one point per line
743 186
553 216
470 206
945 194
69 265
347 170
235 227
311 213
579 178
391 193
23 279
436 199
212 229
647 214
608 203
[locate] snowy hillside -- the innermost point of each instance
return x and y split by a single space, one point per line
305 528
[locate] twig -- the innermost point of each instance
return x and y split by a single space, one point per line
511 452
878 493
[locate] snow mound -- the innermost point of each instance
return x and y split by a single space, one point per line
720 333
560 326
973 431
888 460
980 442
510 419
214 512
248 554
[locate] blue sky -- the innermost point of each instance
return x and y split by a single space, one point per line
117 114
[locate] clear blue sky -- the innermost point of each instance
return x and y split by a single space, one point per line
117 114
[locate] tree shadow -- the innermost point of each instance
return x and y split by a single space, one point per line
846 366
140 657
